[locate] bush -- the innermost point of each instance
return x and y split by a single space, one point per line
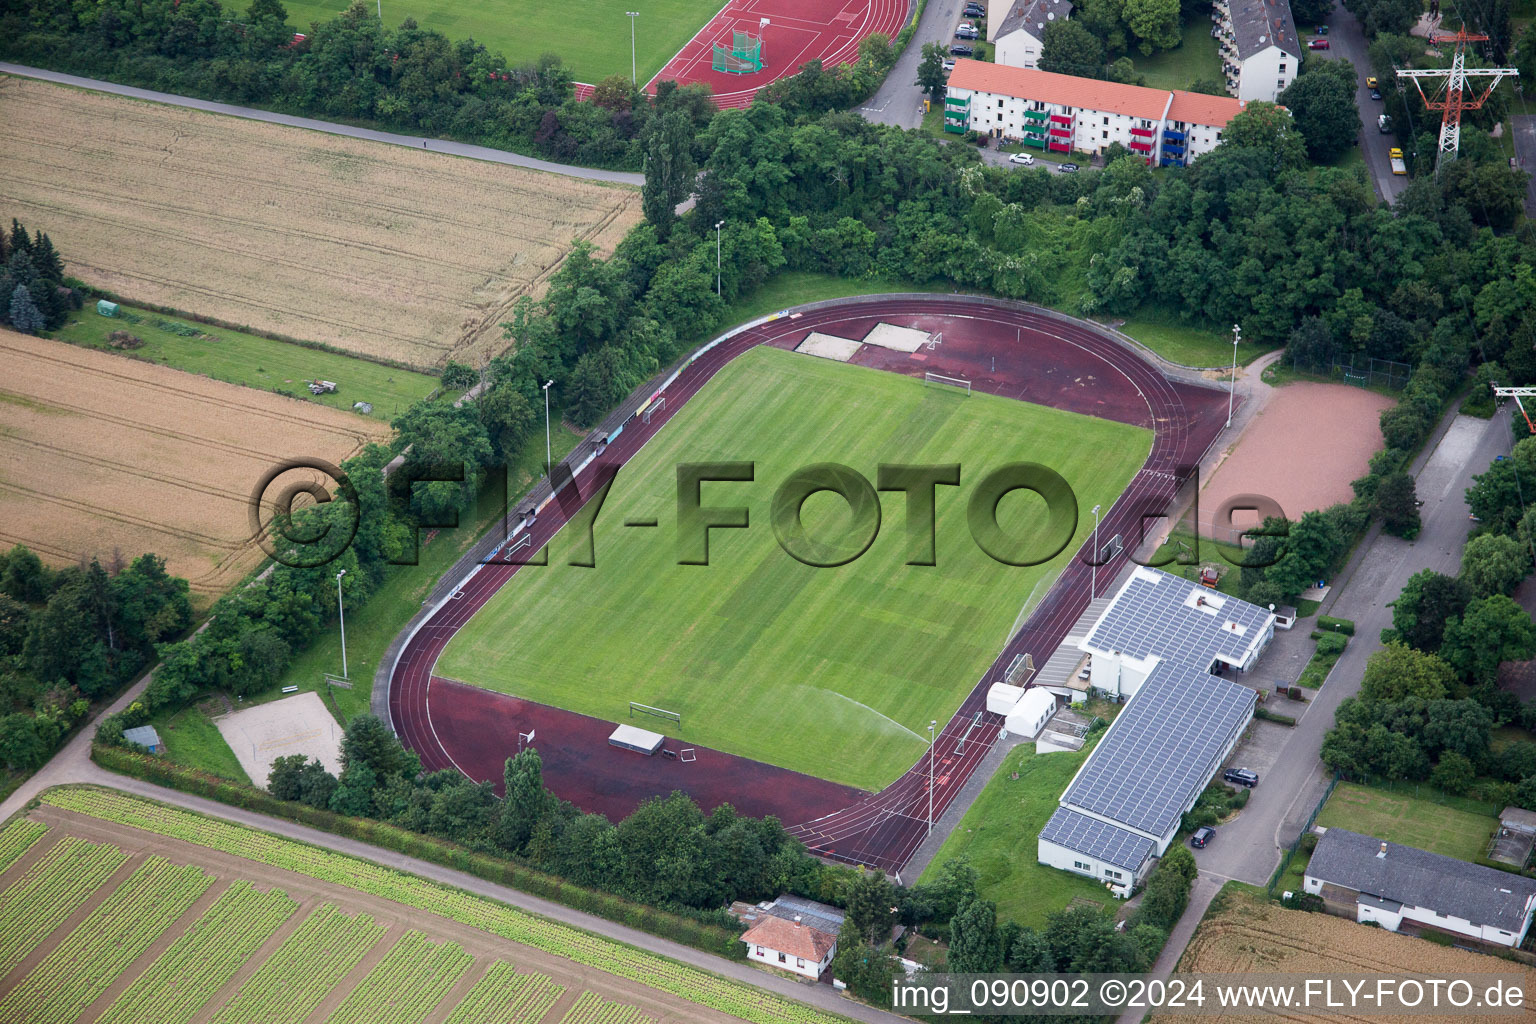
1329 623
1331 643
1273 716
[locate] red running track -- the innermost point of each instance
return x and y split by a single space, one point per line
798 31
1012 352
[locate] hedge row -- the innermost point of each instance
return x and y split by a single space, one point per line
665 924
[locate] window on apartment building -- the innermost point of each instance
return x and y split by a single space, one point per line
1106 120
1280 84
783 959
1282 69
1106 133
999 104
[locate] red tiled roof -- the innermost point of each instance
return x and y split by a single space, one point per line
1093 94
1067 90
781 936
1198 108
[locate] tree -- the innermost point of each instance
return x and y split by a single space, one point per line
1154 23
368 741
669 170
1493 564
867 972
445 441
1325 113
1453 774
869 903
508 418
316 785
354 791
1068 48
1398 506
26 578
1310 12
526 800
1167 892
1427 602
459 376
283 779
974 944
25 316
1492 630
930 70
1398 672
21 748
1265 127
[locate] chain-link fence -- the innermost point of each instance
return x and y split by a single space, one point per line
1362 371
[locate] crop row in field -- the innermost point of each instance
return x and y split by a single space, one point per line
203 958
503 996
55 887
303 970
406 985
617 959
592 1008
101 947
17 839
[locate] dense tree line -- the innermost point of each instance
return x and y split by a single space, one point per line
73 635
350 67
33 293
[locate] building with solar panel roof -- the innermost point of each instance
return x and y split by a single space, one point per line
1157 617
1123 807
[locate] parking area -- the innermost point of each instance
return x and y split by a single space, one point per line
1259 749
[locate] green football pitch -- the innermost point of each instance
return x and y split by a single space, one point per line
835 672
592 38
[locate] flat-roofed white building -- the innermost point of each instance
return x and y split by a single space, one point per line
1063 113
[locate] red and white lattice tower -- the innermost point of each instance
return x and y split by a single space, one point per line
1455 96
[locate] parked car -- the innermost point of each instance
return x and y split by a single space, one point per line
1318 44
975 11
961 51
966 33
1375 94
1370 81
1384 123
1202 836
1068 168
1021 158
1241 777
949 66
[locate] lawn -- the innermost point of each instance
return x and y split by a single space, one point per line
836 671
1188 344
1409 820
999 834
796 287
190 738
592 39
253 361
1198 56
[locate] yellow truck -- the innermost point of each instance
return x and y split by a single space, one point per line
1396 156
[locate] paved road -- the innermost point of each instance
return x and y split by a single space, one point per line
1346 39
463 149
899 101
1525 156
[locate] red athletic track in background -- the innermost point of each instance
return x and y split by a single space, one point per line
798 31
1014 353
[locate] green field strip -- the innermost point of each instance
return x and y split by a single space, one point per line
591 1008
19 837
304 969
55 887
834 671
91 957
503 996
639 966
406 986
203 958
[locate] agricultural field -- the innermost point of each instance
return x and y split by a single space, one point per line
378 250
592 40
104 453
834 672
1244 932
214 922
249 360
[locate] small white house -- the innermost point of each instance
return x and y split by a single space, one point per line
1387 884
792 946
1260 50
1029 715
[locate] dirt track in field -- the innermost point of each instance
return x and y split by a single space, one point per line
379 250
101 453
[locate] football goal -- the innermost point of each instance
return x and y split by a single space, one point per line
646 709
655 407
938 380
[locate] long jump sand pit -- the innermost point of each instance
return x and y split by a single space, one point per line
294 725
899 339
1302 450
384 251
99 452
828 346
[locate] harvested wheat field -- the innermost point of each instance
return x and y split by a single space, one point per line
1243 933
377 249
98 453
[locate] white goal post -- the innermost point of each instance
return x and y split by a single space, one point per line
957 383
654 407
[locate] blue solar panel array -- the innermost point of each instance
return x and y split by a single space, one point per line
1150 616
1162 749
1097 839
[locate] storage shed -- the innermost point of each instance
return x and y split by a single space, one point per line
145 736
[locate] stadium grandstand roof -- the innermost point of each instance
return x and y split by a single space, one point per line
1161 750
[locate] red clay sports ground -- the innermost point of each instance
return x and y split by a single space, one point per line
798 31
1008 350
